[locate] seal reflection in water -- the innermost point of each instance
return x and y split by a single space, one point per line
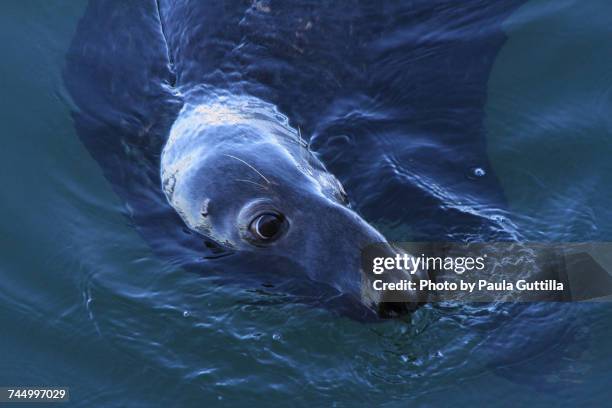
237 172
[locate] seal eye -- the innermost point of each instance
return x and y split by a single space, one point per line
266 226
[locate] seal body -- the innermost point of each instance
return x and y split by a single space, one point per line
192 90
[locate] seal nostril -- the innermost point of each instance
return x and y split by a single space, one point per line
391 288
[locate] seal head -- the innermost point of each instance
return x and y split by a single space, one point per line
238 173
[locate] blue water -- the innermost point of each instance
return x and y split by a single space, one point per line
444 120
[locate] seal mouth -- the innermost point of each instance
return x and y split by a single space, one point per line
388 310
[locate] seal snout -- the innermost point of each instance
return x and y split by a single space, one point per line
392 290
340 252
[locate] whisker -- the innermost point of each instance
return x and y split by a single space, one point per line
253 168
303 144
252 182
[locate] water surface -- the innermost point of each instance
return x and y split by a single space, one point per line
86 303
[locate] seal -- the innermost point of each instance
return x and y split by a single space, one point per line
241 178
237 172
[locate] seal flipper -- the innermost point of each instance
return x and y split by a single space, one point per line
118 75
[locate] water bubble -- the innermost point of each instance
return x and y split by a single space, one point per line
186 313
276 336
478 172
